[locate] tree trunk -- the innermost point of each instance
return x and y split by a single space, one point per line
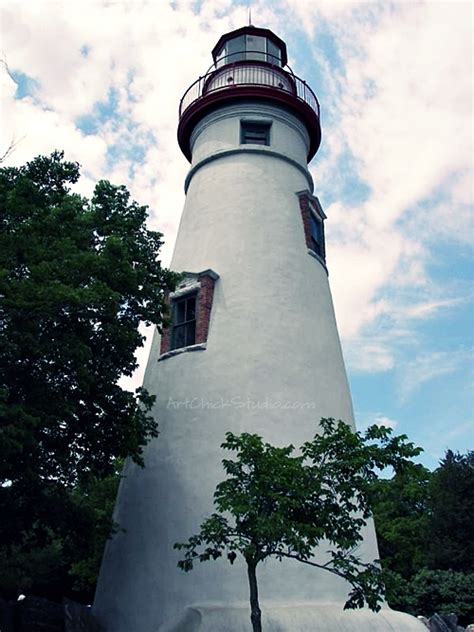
255 612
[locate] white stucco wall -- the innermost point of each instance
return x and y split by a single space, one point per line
273 365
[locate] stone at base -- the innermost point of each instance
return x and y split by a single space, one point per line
304 618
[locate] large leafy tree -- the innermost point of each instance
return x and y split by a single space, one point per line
451 526
426 534
77 276
401 506
278 503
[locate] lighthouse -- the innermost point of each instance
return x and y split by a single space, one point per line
252 346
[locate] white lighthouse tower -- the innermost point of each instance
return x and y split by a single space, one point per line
253 346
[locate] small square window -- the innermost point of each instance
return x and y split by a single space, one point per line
254 133
184 322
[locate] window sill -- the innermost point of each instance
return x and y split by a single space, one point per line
169 354
319 258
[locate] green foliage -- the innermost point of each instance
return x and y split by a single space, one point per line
430 591
451 526
60 552
77 276
426 534
401 510
284 503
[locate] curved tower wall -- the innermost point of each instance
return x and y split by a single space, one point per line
272 364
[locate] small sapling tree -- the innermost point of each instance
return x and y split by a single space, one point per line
282 503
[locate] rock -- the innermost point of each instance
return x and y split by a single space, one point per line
424 620
437 624
7 616
451 621
78 618
40 615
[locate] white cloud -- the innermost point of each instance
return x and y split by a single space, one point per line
461 429
413 374
402 108
399 111
428 308
379 419
369 355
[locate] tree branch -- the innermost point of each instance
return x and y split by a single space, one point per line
324 567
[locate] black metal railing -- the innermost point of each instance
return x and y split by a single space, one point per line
248 73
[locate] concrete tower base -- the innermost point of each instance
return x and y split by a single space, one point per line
303 618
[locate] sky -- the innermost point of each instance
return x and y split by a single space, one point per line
103 80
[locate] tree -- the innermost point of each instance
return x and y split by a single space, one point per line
62 557
284 505
451 525
428 592
426 534
77 276
401 507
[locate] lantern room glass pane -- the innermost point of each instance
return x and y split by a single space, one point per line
235 49
274 53
220 59
256 48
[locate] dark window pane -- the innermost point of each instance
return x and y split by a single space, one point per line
191 308
235 49
184 322
316 230
316 247
256 47
191 333
273 53
179 337
220 57
180 311
255 133
317 236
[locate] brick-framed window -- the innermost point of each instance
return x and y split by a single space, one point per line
255 132
183 333
190 310
313 224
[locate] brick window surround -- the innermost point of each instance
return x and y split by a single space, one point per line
311 213
202 285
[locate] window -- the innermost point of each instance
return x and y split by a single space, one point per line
274 53
184 322
190 310
317 235
235 50
254 133
313 224
256 48
249 47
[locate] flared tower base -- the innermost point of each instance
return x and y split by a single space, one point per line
303 618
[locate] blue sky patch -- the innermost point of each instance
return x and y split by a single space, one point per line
25 86
102 112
